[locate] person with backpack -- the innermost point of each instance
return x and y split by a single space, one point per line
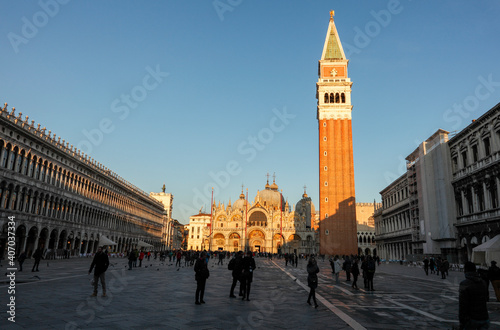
236 266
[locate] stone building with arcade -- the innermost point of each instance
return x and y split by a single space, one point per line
63 201
265 225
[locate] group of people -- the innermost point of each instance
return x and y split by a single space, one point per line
242 268
354 265
436 265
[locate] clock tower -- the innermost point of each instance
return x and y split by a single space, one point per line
337 224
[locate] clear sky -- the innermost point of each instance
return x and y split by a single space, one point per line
196 94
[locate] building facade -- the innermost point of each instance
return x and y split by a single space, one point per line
475 164
393 230
418 216
62 200
167 200
366 228
337 225
265 225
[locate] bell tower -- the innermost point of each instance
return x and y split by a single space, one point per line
337 224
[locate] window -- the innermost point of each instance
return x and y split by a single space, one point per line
337 98
342 96
324 138
493 195
324 153
474 153
487 146
332 98
326 168
326 97
464 158
326 199
455 163
326 183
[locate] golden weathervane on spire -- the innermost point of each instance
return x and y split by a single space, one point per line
332 13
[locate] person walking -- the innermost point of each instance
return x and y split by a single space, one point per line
355 273
426 266
364 271
21 259
37 256
236 266
370 272
432 265
179 256
131 257
101 263
201 275
141 257
472 300
337 267
494 278
444 268
347 268
248 264
221 258
312 280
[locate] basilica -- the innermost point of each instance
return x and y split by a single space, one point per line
265 225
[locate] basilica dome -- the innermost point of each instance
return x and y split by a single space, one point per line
305 210
240 203
270 197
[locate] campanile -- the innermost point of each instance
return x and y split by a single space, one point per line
337 225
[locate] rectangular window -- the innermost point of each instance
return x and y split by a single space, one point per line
464 158
455 164
487 146
474 153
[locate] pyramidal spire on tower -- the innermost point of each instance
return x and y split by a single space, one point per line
332 50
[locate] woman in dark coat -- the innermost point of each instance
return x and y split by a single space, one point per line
355 273
312 280
201 275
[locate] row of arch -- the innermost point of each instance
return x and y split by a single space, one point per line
334 98
368 239
23 162
65 242
42 204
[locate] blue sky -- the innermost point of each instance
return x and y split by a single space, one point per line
196 94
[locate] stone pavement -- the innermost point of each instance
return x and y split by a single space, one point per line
161 296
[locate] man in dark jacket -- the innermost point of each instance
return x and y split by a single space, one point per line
101 263
472 298
201 275
247 277
494 278
237 271
37 256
